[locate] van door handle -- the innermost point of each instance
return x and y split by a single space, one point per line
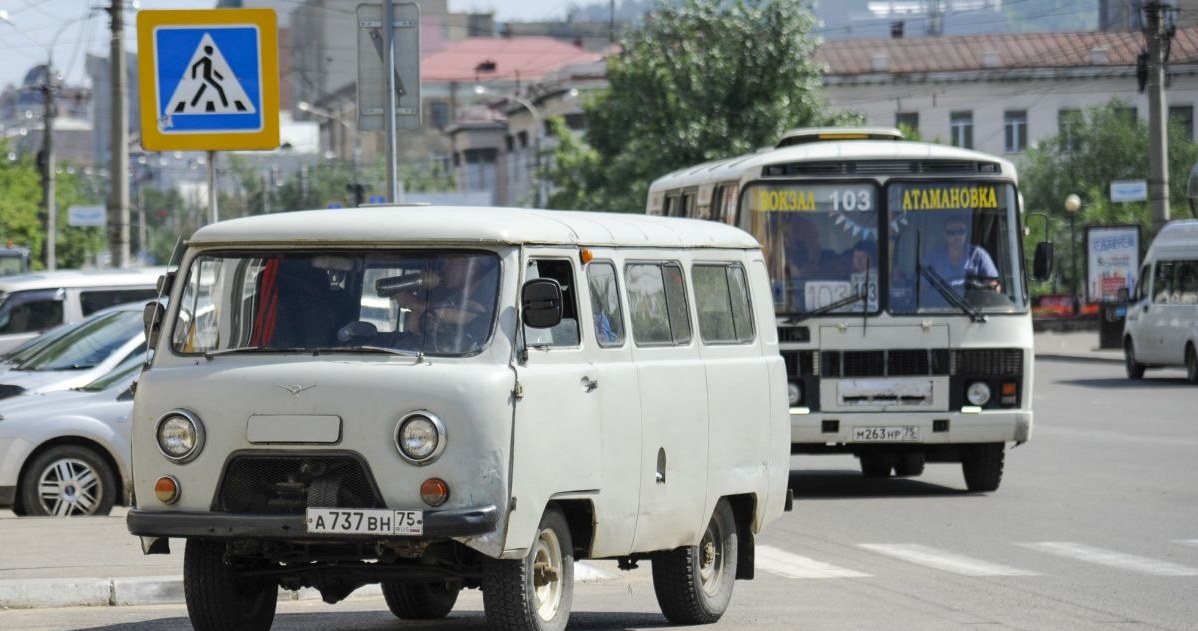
589 384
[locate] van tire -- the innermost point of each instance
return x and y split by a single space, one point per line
420 601
876 465
693 584
86 483
219 597
1135 370
512 601
982 466
1191 365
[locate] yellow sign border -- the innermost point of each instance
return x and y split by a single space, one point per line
268 56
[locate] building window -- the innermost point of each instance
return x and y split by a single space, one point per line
907 121
961 125
1015 131
1069 126
439 113
1183 117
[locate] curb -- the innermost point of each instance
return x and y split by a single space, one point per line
1079 357
42 593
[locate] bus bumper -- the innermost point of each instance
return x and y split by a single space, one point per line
899 428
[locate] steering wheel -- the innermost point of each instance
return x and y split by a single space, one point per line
357 331
975 281
447 336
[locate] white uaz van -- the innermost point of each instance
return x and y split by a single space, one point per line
445 398
1162 315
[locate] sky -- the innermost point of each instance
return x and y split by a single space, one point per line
33 24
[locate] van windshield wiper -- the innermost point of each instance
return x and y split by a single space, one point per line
367 348
944 289
843 302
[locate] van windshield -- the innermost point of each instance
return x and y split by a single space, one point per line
419 301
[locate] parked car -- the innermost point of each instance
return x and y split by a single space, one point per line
79 354
33 303
66 453
1162 317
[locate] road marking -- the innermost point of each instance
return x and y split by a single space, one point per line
1111 558
1188 542
943 560
776 561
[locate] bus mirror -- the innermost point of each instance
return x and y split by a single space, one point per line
541 303
1042 267
151 317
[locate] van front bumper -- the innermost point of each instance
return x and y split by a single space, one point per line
437 525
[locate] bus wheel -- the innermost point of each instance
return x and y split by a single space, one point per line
909 465
219 596
1135 370
982 465
693 584
533 593
876 465
420 601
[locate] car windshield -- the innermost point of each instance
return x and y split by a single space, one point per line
92 342
121 376
33 346
953 247
406 301
820 243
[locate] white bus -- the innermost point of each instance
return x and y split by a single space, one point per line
898 281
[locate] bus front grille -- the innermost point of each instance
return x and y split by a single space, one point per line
906 362
801 363
289 483
988 362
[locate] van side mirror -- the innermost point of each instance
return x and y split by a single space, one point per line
151 318
541 303
166 282
1122 295
1042 266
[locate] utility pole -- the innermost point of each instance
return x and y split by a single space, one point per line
118 200
48 167
1158 148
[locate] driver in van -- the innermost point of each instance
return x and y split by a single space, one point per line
959 260
447 304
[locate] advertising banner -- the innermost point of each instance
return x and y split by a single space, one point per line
1112 260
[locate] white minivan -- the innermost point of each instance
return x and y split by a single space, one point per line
444 398
1162 314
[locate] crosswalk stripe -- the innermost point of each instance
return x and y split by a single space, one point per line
942 560
789 565
1111 558
1188 542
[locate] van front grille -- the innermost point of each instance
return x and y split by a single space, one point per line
289 483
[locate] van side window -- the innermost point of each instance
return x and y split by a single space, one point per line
1162 282
566 333
722 298
657 302
605 303
94 300
1141 284
1187 282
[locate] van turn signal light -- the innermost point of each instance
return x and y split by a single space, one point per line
166 489
434 491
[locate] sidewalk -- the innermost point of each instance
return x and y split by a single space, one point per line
1073 345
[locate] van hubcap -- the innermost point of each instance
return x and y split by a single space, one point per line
69 487
711 559
547 574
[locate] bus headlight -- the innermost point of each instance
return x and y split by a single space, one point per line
795 393
180 436
978 393
420 437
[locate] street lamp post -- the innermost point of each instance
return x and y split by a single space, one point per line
305 106
540 130
1072 204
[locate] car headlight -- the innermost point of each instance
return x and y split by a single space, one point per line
795 392
180 436
420 437
978 393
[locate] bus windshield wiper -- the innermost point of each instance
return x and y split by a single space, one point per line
943 288
843 302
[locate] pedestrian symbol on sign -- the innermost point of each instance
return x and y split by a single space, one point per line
209 85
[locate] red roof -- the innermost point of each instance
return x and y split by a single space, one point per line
988 52
528 59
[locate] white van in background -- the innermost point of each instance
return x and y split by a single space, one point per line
1162 315
33 303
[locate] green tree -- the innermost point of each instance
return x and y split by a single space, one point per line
1095 147
699 80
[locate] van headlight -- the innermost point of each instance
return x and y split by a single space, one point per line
978 393
180 436
420 437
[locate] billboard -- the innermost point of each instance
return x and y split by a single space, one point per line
1112 260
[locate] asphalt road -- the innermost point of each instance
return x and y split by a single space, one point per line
1095 527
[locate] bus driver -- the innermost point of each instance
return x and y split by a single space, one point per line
960 261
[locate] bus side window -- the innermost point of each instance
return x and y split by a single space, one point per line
566 333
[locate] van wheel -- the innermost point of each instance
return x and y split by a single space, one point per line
909 465
220 597
693 584
420 601
533 593
982 465
68 481
1135 370
1191 365
875 465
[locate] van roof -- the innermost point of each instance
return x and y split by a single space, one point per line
472 225
134 277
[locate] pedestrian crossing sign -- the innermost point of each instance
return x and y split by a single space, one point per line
209 79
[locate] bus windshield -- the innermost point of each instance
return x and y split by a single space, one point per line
820 243
954 247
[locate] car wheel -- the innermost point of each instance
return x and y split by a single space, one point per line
693 584
982 466
1191 365
1135 370
220 596
876 466
420 601
68 481
534 593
